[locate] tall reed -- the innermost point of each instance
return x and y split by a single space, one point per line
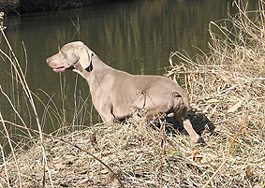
23 82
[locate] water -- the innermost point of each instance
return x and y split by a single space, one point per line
135 37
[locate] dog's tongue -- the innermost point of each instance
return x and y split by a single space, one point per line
59 69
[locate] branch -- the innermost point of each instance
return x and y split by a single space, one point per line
243 122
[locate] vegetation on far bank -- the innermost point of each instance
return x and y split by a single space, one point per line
226 88
19 7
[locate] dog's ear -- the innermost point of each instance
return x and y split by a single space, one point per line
85 56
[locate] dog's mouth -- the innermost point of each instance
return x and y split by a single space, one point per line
59 69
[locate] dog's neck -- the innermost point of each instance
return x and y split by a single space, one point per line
97 68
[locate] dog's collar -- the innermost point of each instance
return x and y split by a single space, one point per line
70 68
89 68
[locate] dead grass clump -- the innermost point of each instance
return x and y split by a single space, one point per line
133 150
141 157
220 85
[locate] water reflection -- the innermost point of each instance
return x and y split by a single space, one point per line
135 37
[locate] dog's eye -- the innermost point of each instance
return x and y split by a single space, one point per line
176 95
63 55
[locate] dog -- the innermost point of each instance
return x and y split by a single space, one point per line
115 92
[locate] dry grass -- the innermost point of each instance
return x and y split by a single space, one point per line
225 87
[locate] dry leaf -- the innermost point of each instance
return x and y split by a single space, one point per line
82 170
249 174
239 104
258 186
60 166
235 107
104 171
93 139
246 131
213 100
196 157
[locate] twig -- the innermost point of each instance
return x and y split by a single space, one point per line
77 25
163 142
12 150
13 107
26 58
243 122
4 162
75 103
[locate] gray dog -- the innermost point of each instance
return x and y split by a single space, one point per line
115 92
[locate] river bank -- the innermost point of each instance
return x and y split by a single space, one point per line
226 86
22 7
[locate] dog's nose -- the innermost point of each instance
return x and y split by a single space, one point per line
47 60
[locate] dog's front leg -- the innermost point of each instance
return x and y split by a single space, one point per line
106 115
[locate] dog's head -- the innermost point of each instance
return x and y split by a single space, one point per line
71 55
